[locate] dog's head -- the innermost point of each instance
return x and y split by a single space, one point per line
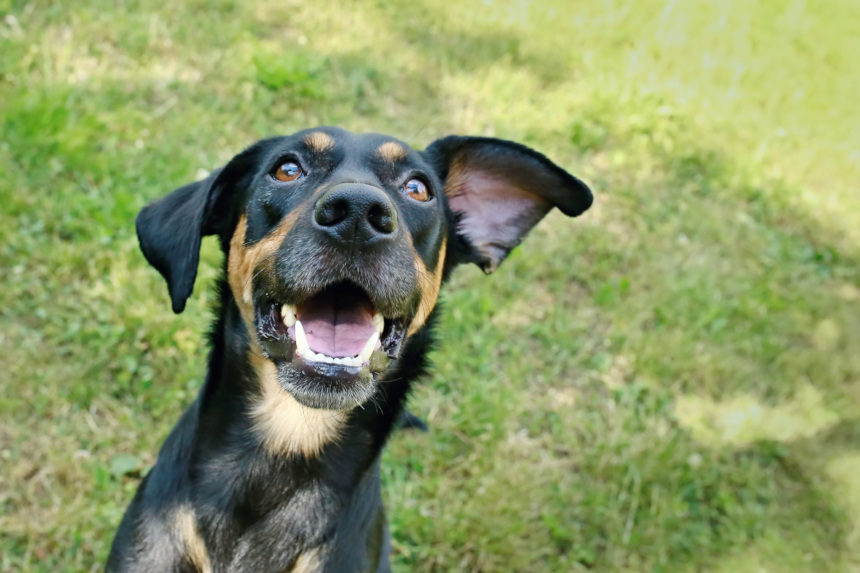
337 243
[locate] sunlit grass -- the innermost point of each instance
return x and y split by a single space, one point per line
669 383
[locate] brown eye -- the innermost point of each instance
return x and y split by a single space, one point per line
289 171
417 190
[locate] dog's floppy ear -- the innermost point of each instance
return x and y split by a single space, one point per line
498 190
169 230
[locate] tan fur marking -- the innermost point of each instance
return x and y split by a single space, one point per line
319 141
307 562
430 282
391 151
186 527
243 261
285 425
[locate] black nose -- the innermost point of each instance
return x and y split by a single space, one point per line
356 213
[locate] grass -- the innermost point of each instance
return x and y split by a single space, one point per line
670 383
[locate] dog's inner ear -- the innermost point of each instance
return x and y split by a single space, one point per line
499 190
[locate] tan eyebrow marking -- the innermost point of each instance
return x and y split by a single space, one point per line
391 151
319 141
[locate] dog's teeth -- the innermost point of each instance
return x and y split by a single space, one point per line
288 312
379 322
368 349
303 349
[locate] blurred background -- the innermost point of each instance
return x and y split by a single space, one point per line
669 383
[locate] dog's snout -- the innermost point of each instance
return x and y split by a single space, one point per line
356 213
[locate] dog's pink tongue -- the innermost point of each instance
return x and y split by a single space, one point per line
337 325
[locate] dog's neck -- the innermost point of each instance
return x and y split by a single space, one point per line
252 407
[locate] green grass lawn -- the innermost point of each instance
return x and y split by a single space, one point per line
669 383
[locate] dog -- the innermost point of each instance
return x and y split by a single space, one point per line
336 246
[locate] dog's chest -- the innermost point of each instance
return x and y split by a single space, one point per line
288 522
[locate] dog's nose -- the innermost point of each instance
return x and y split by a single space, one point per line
356 213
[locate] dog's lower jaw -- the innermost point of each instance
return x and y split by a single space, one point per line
317 384
322 386
340 372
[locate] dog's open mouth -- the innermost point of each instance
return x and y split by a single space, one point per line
337 327
329 347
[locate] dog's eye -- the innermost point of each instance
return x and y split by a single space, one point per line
417 190
289 171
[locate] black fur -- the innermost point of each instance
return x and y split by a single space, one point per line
255 510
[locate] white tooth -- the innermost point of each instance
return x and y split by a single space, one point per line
379 322
368 349
288 312
303 349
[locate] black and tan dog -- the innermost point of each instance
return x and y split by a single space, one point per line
336 245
